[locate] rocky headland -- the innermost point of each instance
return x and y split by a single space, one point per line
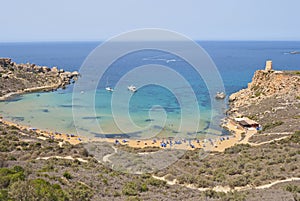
272 99
23 78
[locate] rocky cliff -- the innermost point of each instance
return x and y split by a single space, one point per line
272 99
20 78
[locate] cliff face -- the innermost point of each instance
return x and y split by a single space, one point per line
18 78
268 84
272 97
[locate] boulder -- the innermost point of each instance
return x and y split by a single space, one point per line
232 97
37 69
75 73
46 69
5 62
54 69
5 76
220 95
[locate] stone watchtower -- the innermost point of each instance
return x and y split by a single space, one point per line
268 66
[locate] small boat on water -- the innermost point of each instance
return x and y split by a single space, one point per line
109 89
132 88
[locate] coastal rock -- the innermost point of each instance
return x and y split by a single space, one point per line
232 97
18 78
45 69
265 97
220 95
54 69
75 73
5 62
266 84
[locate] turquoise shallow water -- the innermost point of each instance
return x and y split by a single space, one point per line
236 62
53 111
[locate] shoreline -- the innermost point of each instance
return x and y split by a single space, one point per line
30 90
62 79
218 144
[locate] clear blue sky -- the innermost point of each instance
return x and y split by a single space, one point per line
78 20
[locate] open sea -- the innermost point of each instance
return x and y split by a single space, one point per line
154 110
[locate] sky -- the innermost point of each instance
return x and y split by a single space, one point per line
98 20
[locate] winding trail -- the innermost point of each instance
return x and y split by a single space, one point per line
62 157
106 157
267 142
277 182
226 189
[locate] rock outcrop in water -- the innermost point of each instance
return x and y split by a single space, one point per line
21 78
272 99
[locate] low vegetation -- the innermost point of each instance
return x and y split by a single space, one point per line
138 150
272 125
23 177
240 165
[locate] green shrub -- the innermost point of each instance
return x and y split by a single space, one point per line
3 195
295 137
130 189
144 187
238 181
272 125
80 192
156 182
8 176
292 188
37 189
67 175
237 148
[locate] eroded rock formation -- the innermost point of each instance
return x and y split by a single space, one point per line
18 78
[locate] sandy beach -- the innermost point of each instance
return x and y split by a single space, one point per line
218 144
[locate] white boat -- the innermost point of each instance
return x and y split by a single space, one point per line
132 88
109 89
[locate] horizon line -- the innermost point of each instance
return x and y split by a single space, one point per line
197 40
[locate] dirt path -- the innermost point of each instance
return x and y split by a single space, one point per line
277 182
62 157
106 157
225 189
277 133
267 142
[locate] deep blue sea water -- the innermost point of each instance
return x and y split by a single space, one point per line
236 63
